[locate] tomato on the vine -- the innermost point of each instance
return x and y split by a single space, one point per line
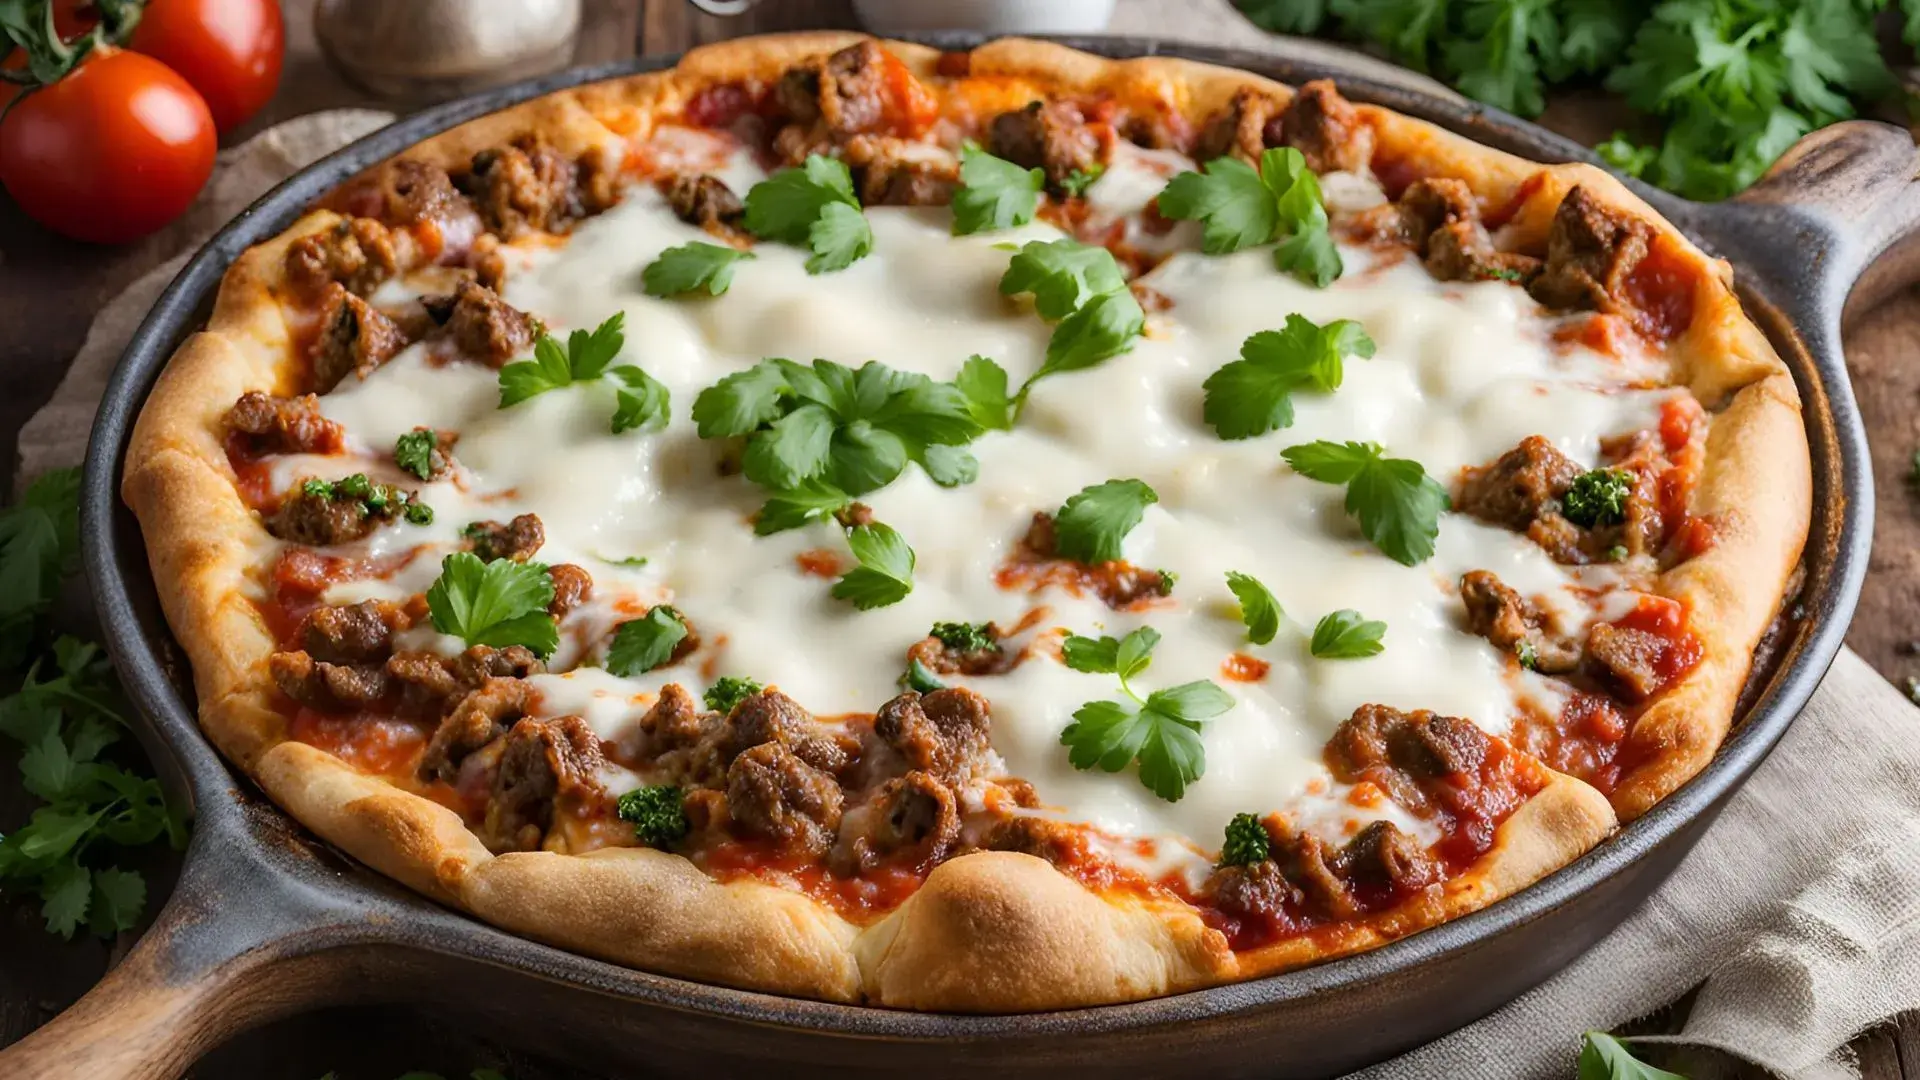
117 148
230 50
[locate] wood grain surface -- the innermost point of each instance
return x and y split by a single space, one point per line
50 290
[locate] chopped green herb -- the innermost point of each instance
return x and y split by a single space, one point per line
994 193
965 636
643 644
1247 842
1254 394
1526 654
1092 524
1258 609
658 814
1396 503
499 603
1347 635
1598 497
1160 731
1617 553
730 690
885 573
920 678
414 452
691 268
1076 183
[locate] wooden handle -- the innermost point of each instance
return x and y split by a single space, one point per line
1861 181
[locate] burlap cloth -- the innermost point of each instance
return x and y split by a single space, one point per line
1798 915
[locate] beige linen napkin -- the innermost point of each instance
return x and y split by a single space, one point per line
1800 910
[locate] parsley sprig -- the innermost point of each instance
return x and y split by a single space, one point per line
1347 635
994 193
1396 503
1254 394
1161 731
820 435
1080 289
691 268
884 575
415 450
643 644
1240 207
39 544
1258 609
814 207
498 603
642 402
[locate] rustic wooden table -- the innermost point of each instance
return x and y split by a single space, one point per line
50 290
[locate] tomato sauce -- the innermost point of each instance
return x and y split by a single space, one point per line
1660 290
1507 211
373 744
1239 667
820 563
719 105
865 896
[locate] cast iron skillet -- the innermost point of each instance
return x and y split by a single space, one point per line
267 921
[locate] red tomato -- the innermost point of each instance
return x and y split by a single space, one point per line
228 49
110 153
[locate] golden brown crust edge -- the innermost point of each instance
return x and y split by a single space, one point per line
989 932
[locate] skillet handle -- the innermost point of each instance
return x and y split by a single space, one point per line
1860 180
143 1022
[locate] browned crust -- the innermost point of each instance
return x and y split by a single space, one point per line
991 931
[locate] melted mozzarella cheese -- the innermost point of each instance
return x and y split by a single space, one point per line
1461 374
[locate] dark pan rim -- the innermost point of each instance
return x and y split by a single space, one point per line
1841 487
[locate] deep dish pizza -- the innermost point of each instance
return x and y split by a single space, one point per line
975 531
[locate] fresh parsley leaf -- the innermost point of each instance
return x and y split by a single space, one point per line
1258 609
853 431
1254 394
921 679
497 603
1092 524
1604 1057
814 500
1076 183
66 892
1347 635
553 366
643 644
1598 497
812 206
642 401
118 898
1241 207
984 384
839 236
1247 842
1235 207
1098 656
1161 731
1062 275
1396 503
414 451
1103 328
729 691
658 814
885 573
994 193
691 268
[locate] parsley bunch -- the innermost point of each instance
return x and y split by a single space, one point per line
642 400
1239 207
1080 289
65 715
819 436
814 207
1732 82
1161 731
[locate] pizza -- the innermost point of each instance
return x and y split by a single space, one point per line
978 531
